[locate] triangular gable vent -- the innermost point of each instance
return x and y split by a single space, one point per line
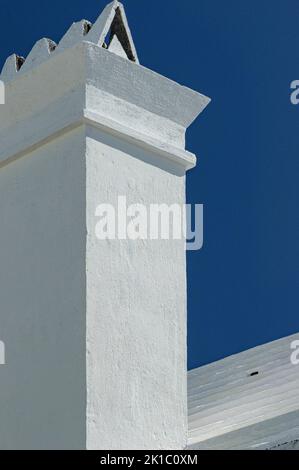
118 29
113 22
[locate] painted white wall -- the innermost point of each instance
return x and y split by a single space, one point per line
67 298
42 292
136 309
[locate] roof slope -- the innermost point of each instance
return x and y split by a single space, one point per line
249 400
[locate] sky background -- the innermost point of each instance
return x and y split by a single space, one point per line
243 286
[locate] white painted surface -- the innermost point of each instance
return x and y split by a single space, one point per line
95 332
292 445
75 34
116 48
228 408
9 69
81 31
42 292
87 78
2 353
102 26
136 309
38 54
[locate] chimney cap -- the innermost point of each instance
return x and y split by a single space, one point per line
111 22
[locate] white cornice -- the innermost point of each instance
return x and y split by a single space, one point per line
87 84
39 131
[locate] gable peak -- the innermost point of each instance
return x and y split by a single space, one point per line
113 22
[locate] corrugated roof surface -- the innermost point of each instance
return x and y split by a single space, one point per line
242 391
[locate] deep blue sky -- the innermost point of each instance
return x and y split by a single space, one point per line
244 284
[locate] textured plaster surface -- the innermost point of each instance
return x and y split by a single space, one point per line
87 78
246 401
136 310
95 330
116 47
43 304
280 433
112 20
291 445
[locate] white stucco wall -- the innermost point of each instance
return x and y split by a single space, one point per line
95 331
136 309
42 292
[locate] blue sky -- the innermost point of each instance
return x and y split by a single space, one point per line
243 286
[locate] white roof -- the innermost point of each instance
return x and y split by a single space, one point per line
249 400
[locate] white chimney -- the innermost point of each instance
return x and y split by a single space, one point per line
94 331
